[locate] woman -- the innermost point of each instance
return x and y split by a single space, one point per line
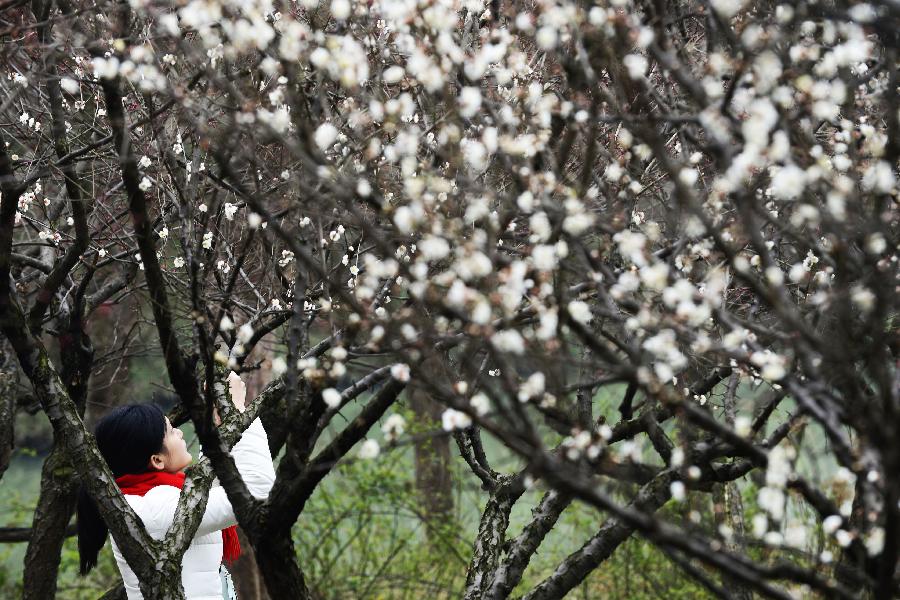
147 457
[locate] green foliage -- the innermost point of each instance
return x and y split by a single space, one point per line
363 535
71 585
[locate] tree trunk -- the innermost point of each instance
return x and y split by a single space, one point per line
278 563
432 456
165 584
544 518
491 536
52 515
488 543
7 404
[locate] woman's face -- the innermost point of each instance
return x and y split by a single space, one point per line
174 456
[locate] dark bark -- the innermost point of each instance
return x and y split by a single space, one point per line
277 560
51 516
272 416
522 548
180 373
13 535
117 592
7 405
488 544
492 534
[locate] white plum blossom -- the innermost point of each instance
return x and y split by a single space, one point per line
475 154
393 427
880 177
636 65
279 119
279 366
533 387
340 9
831 524
434 248
547 38
508 340
727 8
544 257
580 311
369 449
480 403
863 298
788 182
331 397
452 420
874 541
772 501
400 372
844 538
469 101
230 210
631 244
106 68
773 367
655 276
69 85
326 135
393 75
245 333
664 347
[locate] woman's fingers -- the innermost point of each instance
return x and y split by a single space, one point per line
238 390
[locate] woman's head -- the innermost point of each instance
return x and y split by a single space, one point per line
136 438
133 439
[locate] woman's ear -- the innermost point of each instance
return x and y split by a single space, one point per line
157 462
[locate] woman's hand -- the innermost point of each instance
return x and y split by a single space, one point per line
238 391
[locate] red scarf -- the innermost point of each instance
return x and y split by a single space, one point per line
141 483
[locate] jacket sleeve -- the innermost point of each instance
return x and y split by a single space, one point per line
254 463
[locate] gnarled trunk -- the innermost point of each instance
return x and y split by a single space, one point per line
51 516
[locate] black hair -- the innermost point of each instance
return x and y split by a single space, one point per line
127 437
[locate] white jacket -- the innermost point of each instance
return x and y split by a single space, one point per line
200 565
